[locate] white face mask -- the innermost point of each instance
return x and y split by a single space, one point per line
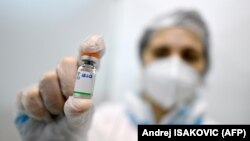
170 81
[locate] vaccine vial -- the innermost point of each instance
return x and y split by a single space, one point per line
85 77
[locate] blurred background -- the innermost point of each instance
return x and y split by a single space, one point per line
35 35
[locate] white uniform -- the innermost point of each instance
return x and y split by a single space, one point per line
110 122
118 121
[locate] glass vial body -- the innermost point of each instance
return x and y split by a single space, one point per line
85 78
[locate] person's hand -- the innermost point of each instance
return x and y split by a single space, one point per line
48 111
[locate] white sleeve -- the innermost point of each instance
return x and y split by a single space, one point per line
104 122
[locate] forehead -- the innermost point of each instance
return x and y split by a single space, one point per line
176 37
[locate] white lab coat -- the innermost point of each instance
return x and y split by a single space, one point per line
111 121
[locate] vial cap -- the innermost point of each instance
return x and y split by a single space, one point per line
94 54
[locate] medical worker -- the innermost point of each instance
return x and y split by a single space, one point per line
175 59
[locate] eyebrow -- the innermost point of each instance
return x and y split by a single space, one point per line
193 48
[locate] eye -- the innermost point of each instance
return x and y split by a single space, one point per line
190 55
161 51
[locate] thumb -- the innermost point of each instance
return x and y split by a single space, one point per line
93 46
78 112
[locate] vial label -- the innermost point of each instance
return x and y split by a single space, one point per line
84 84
